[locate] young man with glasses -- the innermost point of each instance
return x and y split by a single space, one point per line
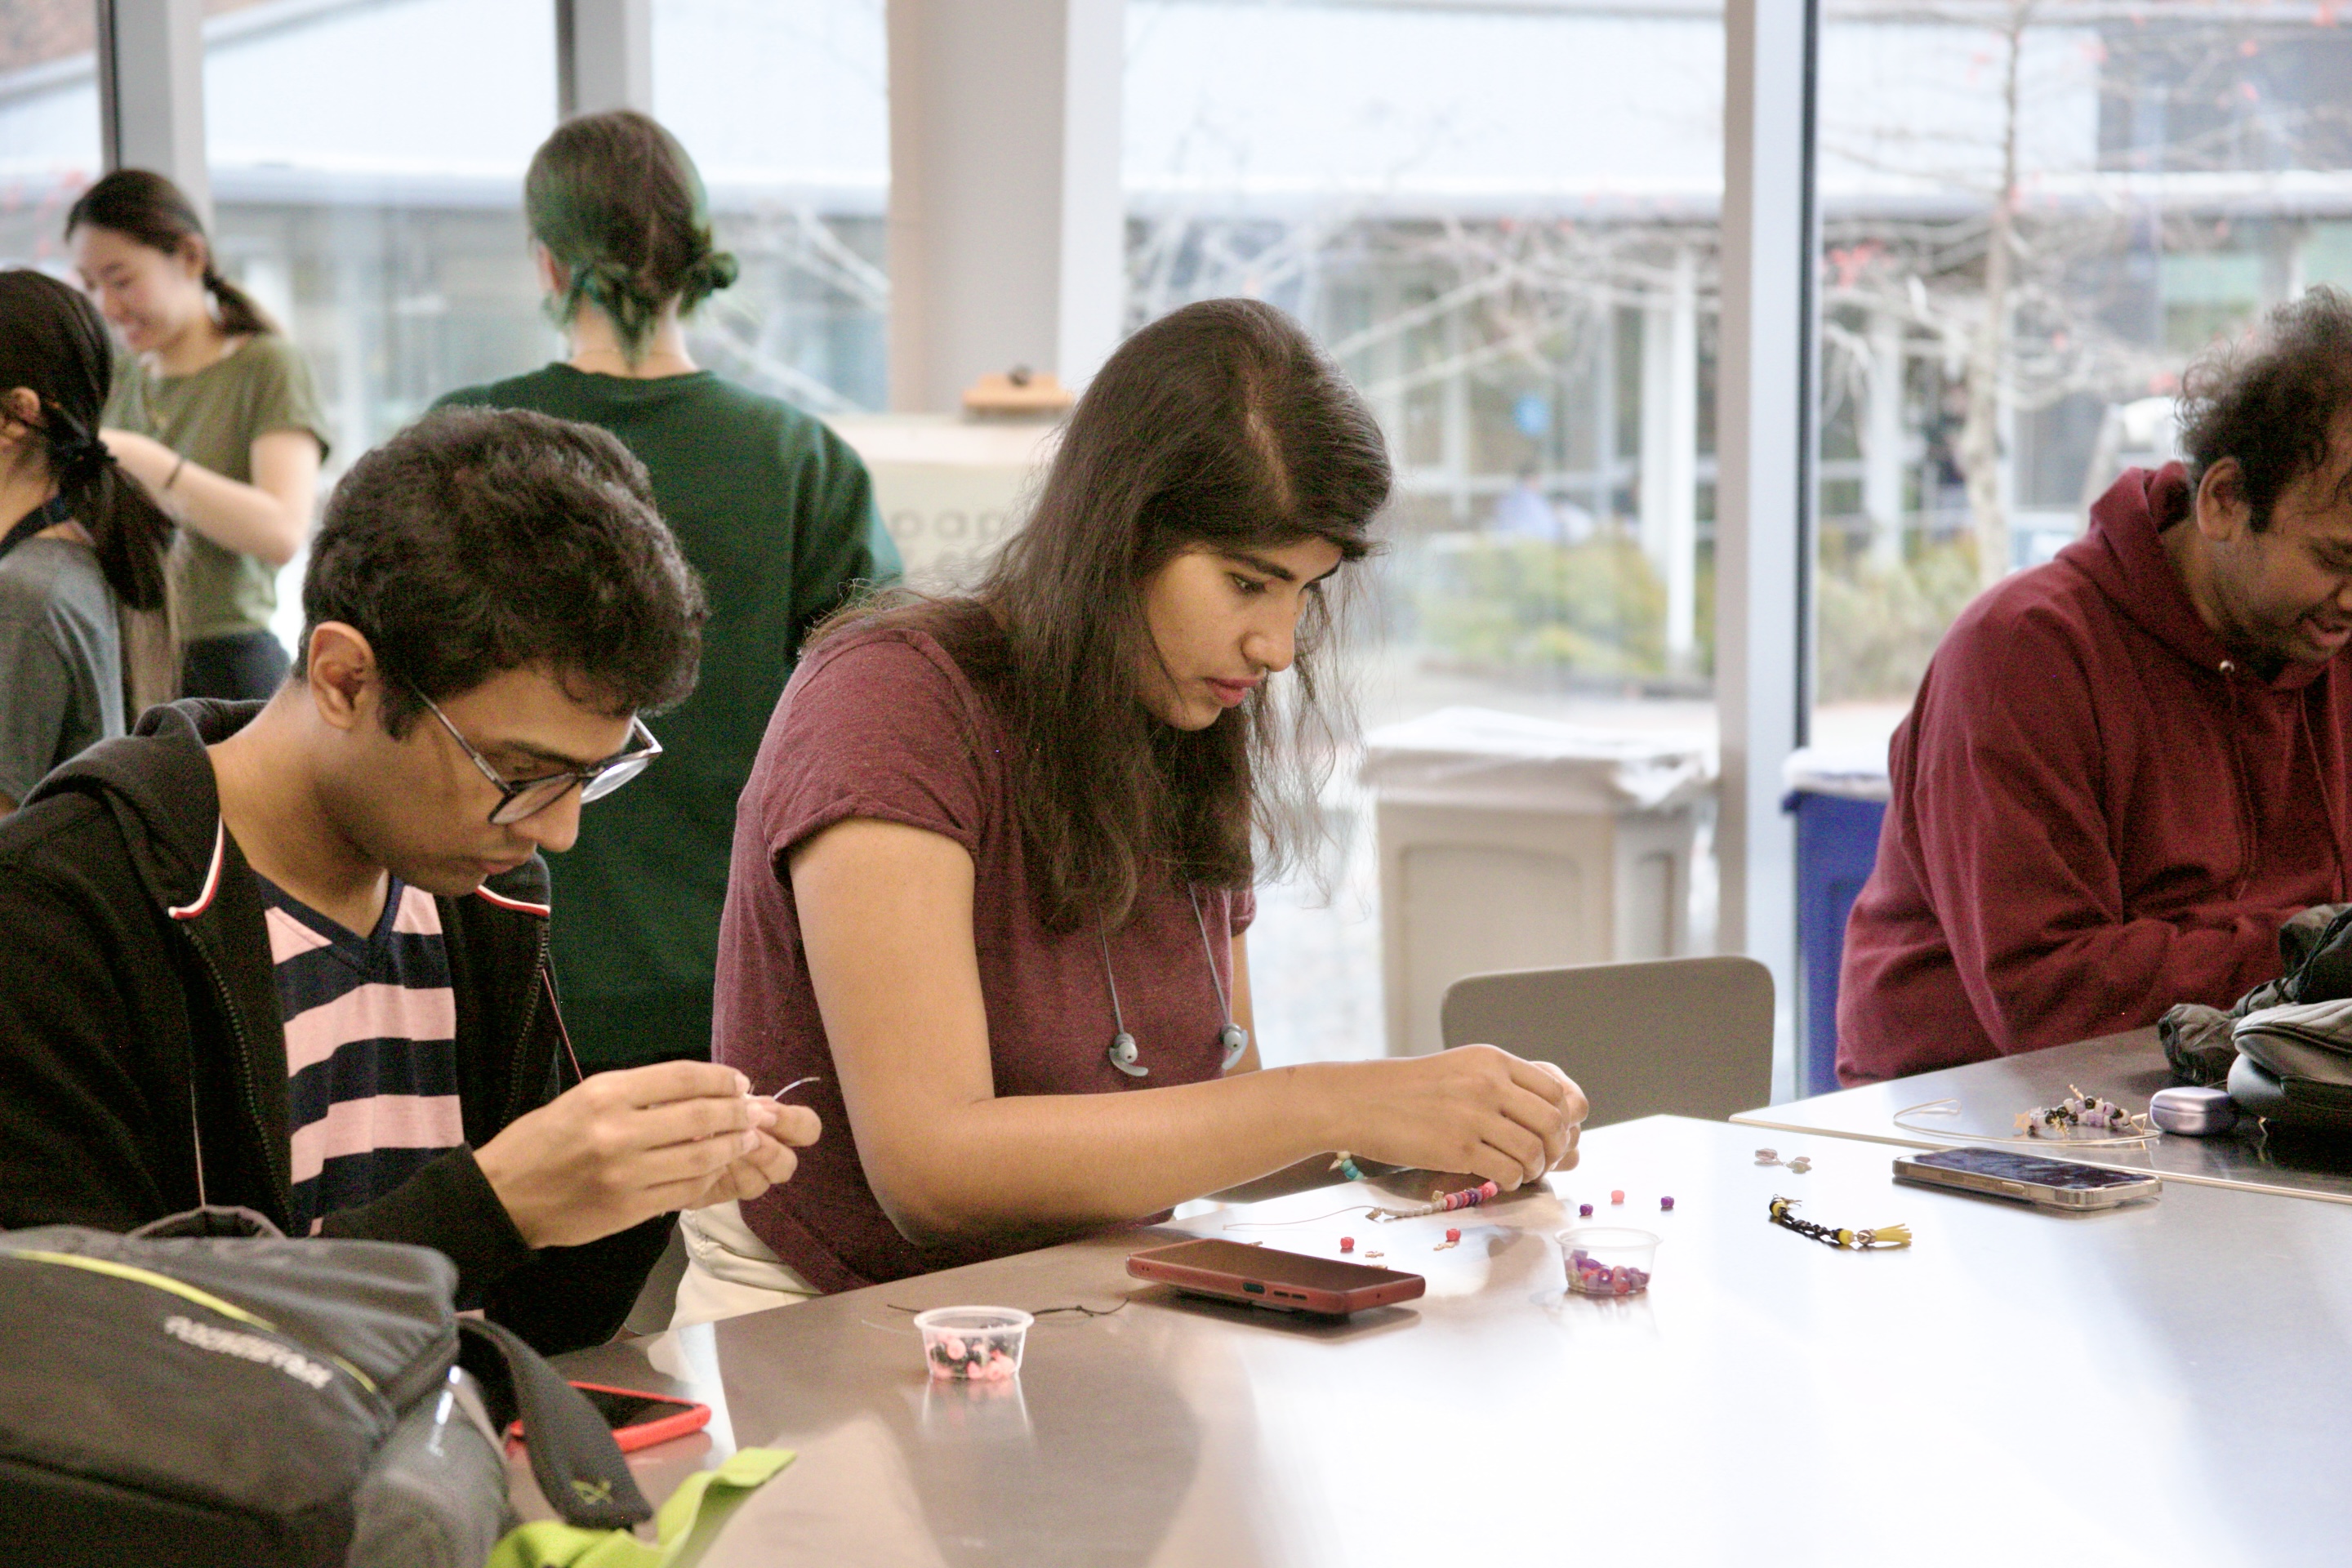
292 955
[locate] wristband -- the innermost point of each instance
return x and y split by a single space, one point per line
174 476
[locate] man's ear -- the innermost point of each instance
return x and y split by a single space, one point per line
346 685
2221 509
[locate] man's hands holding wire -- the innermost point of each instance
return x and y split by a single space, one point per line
624 1146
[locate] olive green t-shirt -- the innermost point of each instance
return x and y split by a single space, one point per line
777 514
212 418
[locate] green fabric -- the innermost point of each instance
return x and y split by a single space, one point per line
212 418
777 513
550 1544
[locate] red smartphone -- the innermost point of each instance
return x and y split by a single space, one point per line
1284 1281
639 1419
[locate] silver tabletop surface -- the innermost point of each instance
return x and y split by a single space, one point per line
2126 1068
2155 1385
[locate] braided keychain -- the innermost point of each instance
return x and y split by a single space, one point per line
1885 1236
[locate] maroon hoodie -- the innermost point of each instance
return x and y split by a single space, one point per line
2097 812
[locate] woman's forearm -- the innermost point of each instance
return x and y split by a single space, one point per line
1047 1163
236 516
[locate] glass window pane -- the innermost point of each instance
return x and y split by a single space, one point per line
367 189
1503 221
783 105
2172 170
48 124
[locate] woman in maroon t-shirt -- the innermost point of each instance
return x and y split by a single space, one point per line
992 869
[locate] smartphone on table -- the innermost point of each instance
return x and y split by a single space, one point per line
2026 1178
639 1419
1282 1281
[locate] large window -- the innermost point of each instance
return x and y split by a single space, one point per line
2034 213
783 105
1503 220
367 186
48 124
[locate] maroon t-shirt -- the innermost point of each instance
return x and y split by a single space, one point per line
883 724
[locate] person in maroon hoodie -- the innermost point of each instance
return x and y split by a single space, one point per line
2126 768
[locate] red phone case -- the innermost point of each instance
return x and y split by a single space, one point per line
692 1418
1264 1276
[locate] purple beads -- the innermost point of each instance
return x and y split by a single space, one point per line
1585 1210
1668 1204
1588 1276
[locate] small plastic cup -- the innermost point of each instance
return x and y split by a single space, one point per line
1608 1259
974 1344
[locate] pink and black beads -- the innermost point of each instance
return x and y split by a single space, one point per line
1588 1276
975 1358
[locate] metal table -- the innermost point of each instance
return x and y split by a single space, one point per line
2154 1384
2126 1069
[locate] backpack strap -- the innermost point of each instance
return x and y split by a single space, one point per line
578 1466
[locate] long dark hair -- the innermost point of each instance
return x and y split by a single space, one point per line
1218 426
150 209
618 203
53 342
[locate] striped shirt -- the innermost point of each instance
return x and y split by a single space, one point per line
371 1047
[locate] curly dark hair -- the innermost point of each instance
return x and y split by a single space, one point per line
478 541
2271 401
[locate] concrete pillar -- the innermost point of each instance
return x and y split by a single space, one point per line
1882 441
1763 396
1007 227
603 57
151 92
1670 452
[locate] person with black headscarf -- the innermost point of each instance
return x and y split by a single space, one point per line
85 636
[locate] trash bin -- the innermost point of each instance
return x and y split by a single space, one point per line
1839 798
1516 843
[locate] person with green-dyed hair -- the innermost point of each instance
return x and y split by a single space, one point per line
770 507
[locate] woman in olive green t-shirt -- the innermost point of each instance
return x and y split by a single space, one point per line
218 416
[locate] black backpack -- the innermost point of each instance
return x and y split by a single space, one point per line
2284 1048
206 1391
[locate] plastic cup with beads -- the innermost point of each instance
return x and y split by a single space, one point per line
1608 1259
973 1344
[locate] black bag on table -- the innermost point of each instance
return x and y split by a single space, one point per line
2284 1048
206 1391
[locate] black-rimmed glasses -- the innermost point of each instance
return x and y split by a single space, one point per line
529 797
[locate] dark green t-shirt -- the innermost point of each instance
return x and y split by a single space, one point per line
777 513
213 418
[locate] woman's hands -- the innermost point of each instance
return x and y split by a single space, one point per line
1474 1109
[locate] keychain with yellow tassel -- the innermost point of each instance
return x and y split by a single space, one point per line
1885 1236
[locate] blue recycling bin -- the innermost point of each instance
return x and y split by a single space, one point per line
1837 844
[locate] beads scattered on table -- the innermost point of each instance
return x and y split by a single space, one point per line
1588 1276
1668 1204
1585 1210
1617 1197
1347 1244
1369 1256
1797 1166
1451 1234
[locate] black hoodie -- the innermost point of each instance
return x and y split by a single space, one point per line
140 1035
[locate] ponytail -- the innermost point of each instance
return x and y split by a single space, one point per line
53 344
619 205
239 316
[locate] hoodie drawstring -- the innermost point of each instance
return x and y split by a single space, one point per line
2327 800
2242 794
